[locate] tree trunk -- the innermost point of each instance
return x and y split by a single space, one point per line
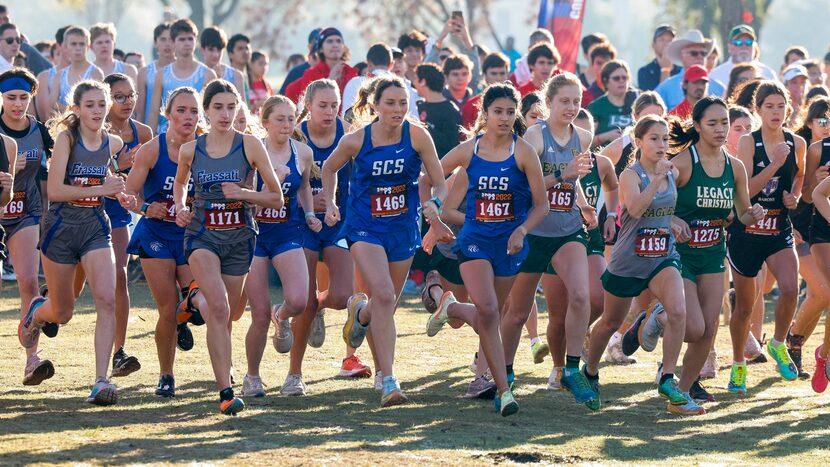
197 12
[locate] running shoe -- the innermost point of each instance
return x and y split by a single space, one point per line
481 388
391 394
511 378
794 344
631 339
507 404
352 367
37 370
439 318
575 381
49 329
123 364
539 350
614 352
690 407
293 386
433 279
353 331
651 329
28 331
318 330
819 382
283 337
555 379
166 386
103 393
185 308
8 272
252 386
184 337
672 392
710 367
737 380
753 351
231 407
699 393
595 403
786 367
378 381
231 376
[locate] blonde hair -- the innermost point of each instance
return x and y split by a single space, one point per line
560 81
68 120
168 107
268 108
252 125
99 29
311 89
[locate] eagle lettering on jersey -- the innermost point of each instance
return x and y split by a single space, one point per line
387 167
493 183
80 170
548 168
659 212
715 197
226 176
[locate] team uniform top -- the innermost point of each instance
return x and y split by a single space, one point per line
341 194
383 189
158 188
819 228
171 82
66 87
275 224
563 217
645 243
625 155
118 67
150 79
592 188
228 74
112 206
85 168
776 221
498 196
26 198
704 203
217 219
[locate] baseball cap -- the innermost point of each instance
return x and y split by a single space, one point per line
695 73
325 34
794 71
396 52
662 29
742 29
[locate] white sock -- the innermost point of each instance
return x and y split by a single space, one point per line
742 362
534 340
775 343
616 337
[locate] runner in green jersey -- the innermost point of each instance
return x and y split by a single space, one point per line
709 184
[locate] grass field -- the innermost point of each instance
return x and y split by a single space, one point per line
339 422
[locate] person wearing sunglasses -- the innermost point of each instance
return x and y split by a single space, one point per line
742 47
612 110
9 45
687 50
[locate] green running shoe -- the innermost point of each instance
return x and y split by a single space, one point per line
672 392
737 380
786 367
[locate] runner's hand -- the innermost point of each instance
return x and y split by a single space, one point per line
314 223
609 228
758 212
680 230
578 167
113 184
156 211
780 153
516 241
332 215
589 215
790 200
232 191
184 217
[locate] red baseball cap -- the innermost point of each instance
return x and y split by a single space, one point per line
695 73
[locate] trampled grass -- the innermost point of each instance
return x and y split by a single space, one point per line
339 422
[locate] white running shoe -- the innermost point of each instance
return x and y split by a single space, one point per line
555 380
283 337
293 386
710 368
318 330
252 386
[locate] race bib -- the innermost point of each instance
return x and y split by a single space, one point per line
388 201
273 216
494 207
561 197
225 216
86 182
170 207
16 207
705 233
768 225
652 243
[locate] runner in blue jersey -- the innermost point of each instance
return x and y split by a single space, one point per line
185 70
147 75
21 217
280 243
219 231
505 199
76 228
381 227
322 130
157 240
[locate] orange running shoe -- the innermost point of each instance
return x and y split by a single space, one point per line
353 368
232 407
185 308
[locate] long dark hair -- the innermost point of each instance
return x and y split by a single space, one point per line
743 94
493 92
819 108
641 128
215 87
684 134
69 120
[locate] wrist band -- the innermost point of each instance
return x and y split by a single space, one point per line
144 208
309 214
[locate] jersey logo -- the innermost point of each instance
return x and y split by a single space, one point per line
472 248
156 246
770 187
761 164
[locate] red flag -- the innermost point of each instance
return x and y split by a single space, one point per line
564 19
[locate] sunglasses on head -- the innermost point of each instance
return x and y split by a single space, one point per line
742 42
12 40
696 53
122 98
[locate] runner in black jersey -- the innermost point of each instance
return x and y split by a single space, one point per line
776 157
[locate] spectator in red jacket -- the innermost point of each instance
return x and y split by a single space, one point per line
494 67
542 60
333 55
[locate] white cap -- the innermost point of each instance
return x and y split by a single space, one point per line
794 71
